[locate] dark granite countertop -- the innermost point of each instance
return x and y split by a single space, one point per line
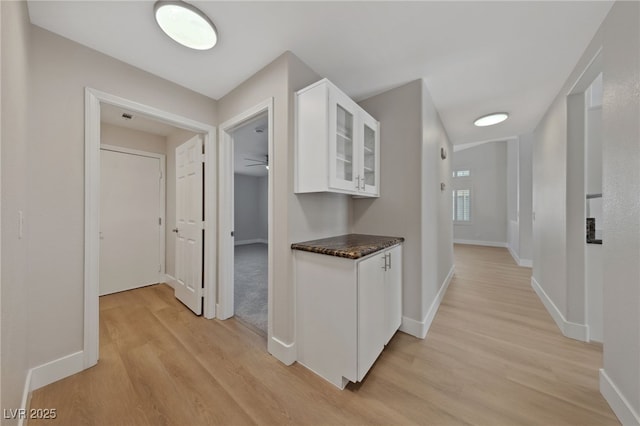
350 246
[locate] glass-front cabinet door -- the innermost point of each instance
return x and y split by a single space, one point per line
370 156
342 143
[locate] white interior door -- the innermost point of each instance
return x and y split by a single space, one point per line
189 222
130 229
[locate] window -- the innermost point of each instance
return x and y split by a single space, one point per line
461 173
462 205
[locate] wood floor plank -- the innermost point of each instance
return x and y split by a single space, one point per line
493 356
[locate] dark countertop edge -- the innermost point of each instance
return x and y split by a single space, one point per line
353 253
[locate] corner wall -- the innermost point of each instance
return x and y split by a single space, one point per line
411 171
620 378
16 42
398 111
296 217
619 39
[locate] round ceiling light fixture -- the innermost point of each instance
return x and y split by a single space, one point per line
186 24
491 119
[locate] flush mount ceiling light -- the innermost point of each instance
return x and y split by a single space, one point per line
491 119
186 24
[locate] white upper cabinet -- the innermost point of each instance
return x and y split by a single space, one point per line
337 143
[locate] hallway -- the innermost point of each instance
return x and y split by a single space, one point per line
493 356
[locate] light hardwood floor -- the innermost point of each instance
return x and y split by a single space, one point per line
493 356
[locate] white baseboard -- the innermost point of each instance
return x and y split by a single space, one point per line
481 243
528 263
55 370
568 328
618 403
48 373
26 397
419 329
254 241
285 352
170 280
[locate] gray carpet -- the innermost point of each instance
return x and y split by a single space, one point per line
250 286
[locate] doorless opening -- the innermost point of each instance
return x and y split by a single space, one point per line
94 100
251 188
254 161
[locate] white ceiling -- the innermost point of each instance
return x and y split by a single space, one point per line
476 57
250 145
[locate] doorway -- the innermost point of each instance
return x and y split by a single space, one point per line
246 222
95 102
584 206
250 194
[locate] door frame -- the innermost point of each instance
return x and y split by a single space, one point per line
93 99
226 249
163 189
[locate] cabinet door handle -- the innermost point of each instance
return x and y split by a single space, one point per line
363 184
389 254
385 262
358 184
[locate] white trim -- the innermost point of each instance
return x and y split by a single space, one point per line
57 369
285 352
124 150
226 225
463 146
526 263
254 241
93 99
26 396
170 280
618 403
48 373
513 254
481 243
588 74
91 227
420 328
569 329
162 158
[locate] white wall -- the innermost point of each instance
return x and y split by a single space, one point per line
263 208
250 209
437 253
525 201
513 152
488 166
619 38
519 189
295 217
398 111
132 139
594 151
16 306
621 196
411 203
549 205
58 73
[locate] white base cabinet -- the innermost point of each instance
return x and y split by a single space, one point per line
346 311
